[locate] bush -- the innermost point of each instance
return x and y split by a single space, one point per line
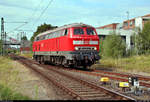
143 40
131 52
8 94
114 46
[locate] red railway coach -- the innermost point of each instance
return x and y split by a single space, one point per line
70 45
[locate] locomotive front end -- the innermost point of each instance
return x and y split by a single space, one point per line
86 46
86 58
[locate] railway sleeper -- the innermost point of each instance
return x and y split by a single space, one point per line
81 87
100 98
72 84
85 93
93 95
83 90
77 87
78 91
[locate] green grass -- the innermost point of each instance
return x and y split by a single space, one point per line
138 63
6 71
8 76
7 94
28 55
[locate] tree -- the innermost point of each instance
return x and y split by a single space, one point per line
143 39
42 28
114 46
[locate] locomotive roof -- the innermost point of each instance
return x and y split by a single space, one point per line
65 26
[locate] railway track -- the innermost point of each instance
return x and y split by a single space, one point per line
144 81
124 75
77 88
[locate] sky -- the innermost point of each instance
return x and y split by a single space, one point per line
60 12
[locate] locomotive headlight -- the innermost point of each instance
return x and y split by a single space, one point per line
95 48
76 48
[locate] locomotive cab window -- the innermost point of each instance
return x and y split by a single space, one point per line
90 31
37 39
66 32
78 31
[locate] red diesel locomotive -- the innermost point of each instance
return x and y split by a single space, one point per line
70 45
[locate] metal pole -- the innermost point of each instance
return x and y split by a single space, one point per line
2 35
128 15
21 36
18 42
5 43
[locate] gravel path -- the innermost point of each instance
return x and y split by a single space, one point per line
34 86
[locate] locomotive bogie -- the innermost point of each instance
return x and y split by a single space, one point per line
75 58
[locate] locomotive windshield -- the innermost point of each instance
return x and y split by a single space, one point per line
90 31
78 31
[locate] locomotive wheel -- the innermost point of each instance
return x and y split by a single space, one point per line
64 63
39 60
35 58
75 65
42 60
57 61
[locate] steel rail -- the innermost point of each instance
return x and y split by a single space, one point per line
125 75
111 93
113 77
69 91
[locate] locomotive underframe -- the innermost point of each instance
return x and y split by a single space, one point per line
68 58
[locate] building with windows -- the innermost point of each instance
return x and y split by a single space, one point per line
137 22
126 29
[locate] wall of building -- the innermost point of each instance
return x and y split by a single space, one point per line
125 29
124 33
138 22
129 24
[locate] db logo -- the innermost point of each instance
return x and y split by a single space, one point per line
86 42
